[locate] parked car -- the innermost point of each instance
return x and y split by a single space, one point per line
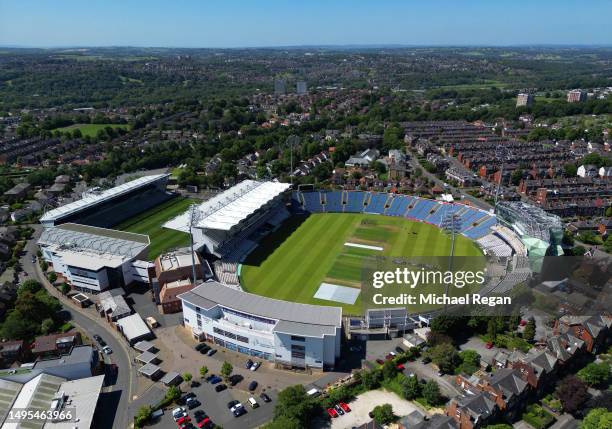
255 366
107 350
253 403
332 413
97 337
211 352
345 407
392 354
232 404
252 385
213 379
205 423
235 379
400 367
220 387
238 410
380 361
195 383
339 409
489 345
399 349
193 403
248 364
264 397
178 413
200 346
185 397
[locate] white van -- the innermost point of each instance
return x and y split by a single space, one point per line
313 392
253 403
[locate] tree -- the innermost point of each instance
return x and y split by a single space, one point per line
530 329
597 418
445 356
187 377
47 325
383 414
173 394
470 361
226 370
143 415
371 379
203 371
595 373
284 422
52 277
29 285
294 405
572 393
64 288
431 393
411 388
388 370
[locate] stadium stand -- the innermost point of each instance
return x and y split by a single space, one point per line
227 273
482 228
333 201
494 245
421 209
377 203
354 202
312 202
398 206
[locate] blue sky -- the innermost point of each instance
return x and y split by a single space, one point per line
233 23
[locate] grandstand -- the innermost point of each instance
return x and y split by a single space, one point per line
475 223
107 208
223 224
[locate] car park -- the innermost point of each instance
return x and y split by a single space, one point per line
220 387
255 366
252 385
332 413
345 407
264 397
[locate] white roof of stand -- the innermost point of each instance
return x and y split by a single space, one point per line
230 207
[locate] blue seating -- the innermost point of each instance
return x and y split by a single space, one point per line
421 209
398 205
440 214
312 202
354 203
482 229
469 218
377 203
333 201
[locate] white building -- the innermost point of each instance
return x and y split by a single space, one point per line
92 259
292 334
224 222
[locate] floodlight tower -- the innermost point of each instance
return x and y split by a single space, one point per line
452 224
291 141
195 215
503 153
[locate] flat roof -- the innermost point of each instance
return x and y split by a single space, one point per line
133 326
72 238
292 317
146 357
175 260
149 369
98 198
170 377
144 346
83 395
228 208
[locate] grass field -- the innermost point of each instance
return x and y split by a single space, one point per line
90 129
291 263
151 221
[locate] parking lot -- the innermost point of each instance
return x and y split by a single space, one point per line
215 406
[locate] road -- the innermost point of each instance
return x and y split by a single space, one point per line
474 201
117 397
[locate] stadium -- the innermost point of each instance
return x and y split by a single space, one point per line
277 247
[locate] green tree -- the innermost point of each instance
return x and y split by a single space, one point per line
445 357
388 370
597 418
47 325
470 362
411 388
64 288
226 370
52 277
203 371
431 393
173 394
187 377
595 373
29 285
294 405
143 415
383 414
530 329
284 422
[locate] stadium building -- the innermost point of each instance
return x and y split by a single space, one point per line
221 225
290 334
107 208
93 259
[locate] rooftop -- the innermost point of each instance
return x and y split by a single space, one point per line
82 396
310 320
94 198
230 207
175 260
133 326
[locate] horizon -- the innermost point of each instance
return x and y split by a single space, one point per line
236 24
